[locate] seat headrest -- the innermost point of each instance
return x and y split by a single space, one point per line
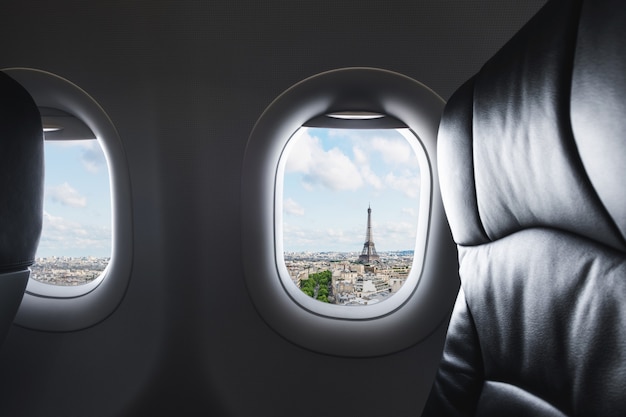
598 103
21 176
509 158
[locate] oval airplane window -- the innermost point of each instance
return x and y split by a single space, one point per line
332 173
354 100
85 252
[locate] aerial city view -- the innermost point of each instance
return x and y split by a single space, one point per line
67 270
350 278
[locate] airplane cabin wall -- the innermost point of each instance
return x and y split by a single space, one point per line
184 82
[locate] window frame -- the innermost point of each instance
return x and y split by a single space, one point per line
69 308
373 332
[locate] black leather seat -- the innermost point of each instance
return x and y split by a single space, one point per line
532 159
21 194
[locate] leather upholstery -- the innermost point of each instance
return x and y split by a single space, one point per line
531 156
21 176
21 193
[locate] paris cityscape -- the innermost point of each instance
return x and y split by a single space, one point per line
351 283
339 277
67 270
350 279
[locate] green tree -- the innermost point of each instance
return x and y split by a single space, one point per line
318 285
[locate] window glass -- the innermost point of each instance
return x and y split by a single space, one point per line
350 212
75 245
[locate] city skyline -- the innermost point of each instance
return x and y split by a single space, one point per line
331 178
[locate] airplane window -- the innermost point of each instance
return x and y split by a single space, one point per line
75 244
343 227
83 262
350 212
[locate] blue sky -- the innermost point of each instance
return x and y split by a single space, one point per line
77 202
331 177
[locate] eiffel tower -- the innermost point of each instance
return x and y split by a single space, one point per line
368 254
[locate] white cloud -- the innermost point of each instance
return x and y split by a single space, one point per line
300 158
330 169
395 151
407 183
395 235
67 195
362 161
92 156
335 233
59 224
292 207
410 211
360 156
61 235
297 238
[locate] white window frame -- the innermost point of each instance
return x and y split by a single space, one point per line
68 308
420 306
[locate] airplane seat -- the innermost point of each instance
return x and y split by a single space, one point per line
21 198
532 154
